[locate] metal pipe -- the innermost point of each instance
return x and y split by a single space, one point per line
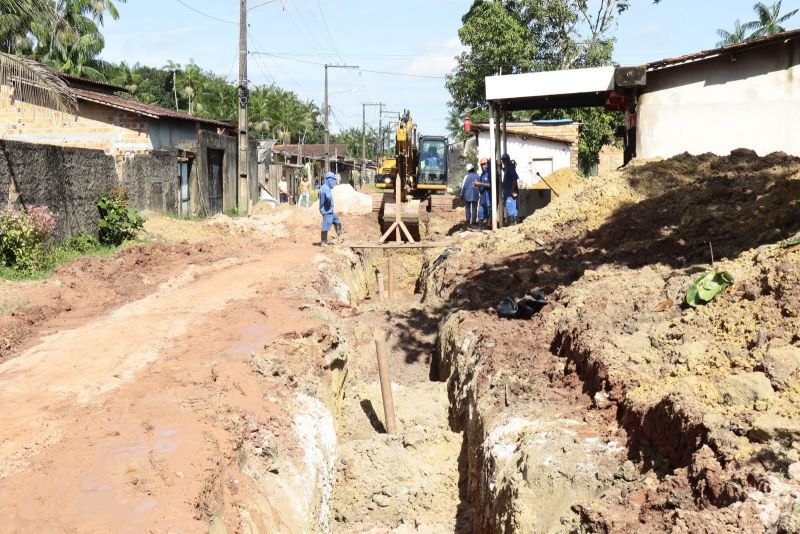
386 383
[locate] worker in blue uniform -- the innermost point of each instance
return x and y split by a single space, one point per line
484 185
329 218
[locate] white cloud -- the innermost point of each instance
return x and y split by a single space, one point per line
437 60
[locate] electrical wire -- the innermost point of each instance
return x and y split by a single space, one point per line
205 14
360 69
261 4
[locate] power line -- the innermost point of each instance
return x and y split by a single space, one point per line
205 14
261 4
360 69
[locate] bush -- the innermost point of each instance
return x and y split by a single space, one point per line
82 243
119 221
24 235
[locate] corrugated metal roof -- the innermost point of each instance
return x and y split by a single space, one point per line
140 108
714 52
313 150
103 93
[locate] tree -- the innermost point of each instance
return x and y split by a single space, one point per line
535 35
496 39
31 80
769 20
738 35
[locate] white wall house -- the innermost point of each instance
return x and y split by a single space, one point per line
717 101
536 147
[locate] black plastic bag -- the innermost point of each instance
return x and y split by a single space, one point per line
522 309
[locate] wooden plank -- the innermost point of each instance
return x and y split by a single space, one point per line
418 244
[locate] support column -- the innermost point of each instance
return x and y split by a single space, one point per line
493 166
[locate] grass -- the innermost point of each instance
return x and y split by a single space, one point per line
62 253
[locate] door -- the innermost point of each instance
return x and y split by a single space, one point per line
183 187
215 180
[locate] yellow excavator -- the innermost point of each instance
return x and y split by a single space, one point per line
417 170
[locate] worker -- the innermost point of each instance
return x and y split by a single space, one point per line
484 185
305 192
329 218
510 188
283 190
431 159
470 194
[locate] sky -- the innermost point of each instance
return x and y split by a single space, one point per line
415 40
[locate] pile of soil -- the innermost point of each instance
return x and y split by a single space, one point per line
708 396
348 201
560 180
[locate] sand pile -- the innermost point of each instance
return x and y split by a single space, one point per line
560 180
348 201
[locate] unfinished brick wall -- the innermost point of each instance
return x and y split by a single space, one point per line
99 127
611 158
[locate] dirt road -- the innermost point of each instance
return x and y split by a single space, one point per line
117 424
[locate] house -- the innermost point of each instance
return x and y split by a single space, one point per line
744 95
170 161
740 96
539 146
288 161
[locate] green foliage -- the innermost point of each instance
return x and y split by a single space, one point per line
708 286
769 21
496 38
535 35
73 248
23 237
119 221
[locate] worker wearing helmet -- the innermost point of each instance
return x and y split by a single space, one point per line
484 185
470 194
329 218
510 188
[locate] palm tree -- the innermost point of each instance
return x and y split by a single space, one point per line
769 20
738 35
32 81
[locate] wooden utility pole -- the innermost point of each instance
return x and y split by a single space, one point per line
364 137
244 93
326 111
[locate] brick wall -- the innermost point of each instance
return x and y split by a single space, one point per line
611 158
99 127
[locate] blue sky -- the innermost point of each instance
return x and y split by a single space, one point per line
414 37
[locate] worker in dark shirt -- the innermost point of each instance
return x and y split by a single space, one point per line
510 188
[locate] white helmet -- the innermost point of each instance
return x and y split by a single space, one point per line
470 167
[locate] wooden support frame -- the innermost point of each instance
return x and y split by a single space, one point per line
398 226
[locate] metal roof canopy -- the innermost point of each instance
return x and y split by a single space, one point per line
551 89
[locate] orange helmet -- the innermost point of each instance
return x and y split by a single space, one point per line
484 160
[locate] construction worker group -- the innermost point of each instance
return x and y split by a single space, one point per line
476 191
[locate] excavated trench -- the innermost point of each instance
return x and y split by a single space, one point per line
503 426
493 436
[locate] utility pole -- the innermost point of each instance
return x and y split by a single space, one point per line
364 137
380 130
380 123
327 113
244 185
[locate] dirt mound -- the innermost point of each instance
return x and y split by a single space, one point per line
707 396
560 180
347 200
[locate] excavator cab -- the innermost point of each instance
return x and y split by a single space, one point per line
432 171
